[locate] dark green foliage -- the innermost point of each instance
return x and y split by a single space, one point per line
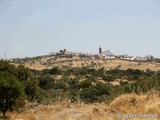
116 73
32 89
78 71
73 85
89 95
95 93
102 88
90 90
85 84
7 68
10 90
60 85
46 82
77 83
149 73
108 78
73 90
134 74
52 71
51 95
13 83
22 73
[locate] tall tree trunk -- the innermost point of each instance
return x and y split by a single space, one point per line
4 114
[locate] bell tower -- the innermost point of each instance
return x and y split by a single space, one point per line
100 50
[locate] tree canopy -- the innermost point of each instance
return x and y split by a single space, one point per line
10 90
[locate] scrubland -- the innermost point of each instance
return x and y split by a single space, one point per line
125 104
71 89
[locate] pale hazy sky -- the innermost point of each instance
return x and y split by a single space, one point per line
37 27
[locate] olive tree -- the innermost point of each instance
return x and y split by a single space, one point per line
10 90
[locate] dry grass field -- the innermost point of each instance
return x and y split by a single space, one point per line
77 62
125 104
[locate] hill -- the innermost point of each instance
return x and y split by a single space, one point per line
47 62
73 88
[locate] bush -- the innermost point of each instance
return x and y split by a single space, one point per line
60 85
32 89
85 84
89 95
46 82
108 78
22 73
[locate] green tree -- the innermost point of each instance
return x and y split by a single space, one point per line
22 73
46 82
32 89
5 67
10 90
54 71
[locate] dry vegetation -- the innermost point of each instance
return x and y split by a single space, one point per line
125 104
77 62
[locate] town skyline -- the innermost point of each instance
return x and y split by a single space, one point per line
101 53
100 50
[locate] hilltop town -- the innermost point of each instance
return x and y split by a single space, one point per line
66 59
105 55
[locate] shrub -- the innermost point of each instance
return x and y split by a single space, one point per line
46 82
85 84
89 95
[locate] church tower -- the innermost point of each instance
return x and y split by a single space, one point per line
100 50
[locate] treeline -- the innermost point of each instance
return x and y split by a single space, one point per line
85 84
73 84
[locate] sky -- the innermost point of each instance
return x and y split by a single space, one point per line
37 27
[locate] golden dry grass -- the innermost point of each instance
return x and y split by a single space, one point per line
135 104
108 64
124 104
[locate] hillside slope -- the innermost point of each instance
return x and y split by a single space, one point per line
45 63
